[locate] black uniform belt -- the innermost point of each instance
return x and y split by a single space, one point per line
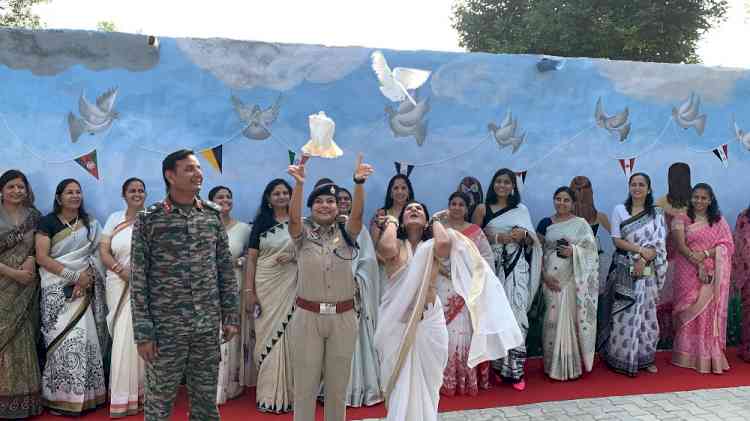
325 308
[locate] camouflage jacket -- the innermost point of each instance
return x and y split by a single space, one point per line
181 271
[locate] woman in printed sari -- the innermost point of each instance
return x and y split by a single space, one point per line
458 378
412 338
19 383
232 368
73 307
126 369
518 261
629 331
270 290
570 288
702 276
364 383
741 277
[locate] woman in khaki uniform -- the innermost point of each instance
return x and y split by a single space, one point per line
324 327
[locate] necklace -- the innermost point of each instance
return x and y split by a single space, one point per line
67 224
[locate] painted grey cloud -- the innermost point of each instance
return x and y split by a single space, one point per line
670 83
51 52
243 65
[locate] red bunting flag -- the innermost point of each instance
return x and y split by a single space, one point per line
627 165
722 152
89 163
521 178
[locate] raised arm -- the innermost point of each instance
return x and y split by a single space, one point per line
442 240
295 207
361 172
388 247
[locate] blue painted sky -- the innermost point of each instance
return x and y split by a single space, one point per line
183 101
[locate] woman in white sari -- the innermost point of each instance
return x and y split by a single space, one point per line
570 288
518 261
126 368
73 309
412 337
232 369
270 290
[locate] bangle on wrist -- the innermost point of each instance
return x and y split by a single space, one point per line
358 180
391 219
249 290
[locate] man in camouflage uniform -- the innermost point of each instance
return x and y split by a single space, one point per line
182 291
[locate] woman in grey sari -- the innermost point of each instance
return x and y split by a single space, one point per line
73 308
518 261
629 329
19 288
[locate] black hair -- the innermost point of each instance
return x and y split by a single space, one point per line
212 193
713 213
57 207
648 205
131 180
264 216
388 199
514 199
344 190
170 163
11 175
467 203
565 189
678 181
402 234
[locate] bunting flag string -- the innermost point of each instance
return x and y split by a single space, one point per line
90 163
722 152
627 165
403 168
521 179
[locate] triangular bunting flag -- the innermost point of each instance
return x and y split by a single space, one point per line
722 152
292 155
521 179
403 168
213 156
89 163
627 165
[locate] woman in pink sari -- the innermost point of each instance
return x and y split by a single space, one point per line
702 273
741 277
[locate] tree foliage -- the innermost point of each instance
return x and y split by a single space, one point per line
642 30
106 26
18 14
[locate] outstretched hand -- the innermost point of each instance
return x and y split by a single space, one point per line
362 170
297 172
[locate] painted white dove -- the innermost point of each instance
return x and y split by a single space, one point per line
258 121
94 118
687 115
321 141
505 135
395 84
408 120
742 136
617 124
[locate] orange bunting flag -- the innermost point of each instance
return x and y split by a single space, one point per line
722 152
89 163
213 156
627 165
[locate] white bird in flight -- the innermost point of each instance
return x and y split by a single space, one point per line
687 115
742 136
94 118
395 84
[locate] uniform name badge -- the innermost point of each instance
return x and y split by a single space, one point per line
326 308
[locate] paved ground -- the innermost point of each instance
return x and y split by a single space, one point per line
712 404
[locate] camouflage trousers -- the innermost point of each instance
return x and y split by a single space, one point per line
194 355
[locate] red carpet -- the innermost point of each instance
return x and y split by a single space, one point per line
600 383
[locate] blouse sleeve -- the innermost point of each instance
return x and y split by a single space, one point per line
46 226
616 219
109 226
254 240
485 250
541 228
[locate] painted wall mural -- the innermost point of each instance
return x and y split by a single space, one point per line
102 107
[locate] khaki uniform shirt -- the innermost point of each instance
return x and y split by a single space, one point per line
324 262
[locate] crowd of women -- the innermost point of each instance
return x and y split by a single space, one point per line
66 332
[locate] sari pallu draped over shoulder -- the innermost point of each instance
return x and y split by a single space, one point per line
629 331
569 336
75 332
700 308
412 339
741 278
20 379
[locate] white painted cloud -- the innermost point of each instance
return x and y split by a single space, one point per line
670 83
242 65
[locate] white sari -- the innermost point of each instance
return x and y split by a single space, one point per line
126 379
74 331
412 339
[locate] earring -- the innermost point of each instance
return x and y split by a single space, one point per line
269 206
